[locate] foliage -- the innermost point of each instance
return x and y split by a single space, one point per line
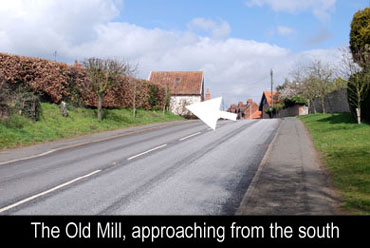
28 104
153 91
275 109
360 37
358 80
295 100
345 149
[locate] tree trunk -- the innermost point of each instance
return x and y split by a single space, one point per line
314 106
322 100
134 102
330 106
100 104
165 102
358 113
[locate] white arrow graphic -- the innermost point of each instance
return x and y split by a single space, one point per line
209 112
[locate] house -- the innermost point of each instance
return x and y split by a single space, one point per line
265 103
287 111
186 87
246 111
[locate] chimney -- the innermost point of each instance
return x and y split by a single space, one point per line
76 64
240 103
249 101
208 95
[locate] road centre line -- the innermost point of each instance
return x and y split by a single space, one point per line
187 137
153 149
47 191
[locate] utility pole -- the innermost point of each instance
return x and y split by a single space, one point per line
272 88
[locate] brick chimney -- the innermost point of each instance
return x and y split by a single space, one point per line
240 103
76 64
249 101
208 95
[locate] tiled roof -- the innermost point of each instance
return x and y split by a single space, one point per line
268 97
180 83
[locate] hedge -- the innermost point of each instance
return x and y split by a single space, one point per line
54 82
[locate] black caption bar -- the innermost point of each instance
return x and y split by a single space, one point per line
159 231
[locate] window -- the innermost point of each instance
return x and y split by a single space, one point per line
178 79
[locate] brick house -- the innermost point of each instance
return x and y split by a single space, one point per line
246 111
186 87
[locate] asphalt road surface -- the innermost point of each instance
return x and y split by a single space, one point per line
185 169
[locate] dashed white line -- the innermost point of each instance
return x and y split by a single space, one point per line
47 191
187 137
153 149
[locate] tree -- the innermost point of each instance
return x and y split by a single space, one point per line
360 37
321 77
310 91
104 74
167 96
357 83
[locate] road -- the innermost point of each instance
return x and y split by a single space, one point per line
178 170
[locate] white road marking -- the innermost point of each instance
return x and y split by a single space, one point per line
31 157
153 149
187 137
47 191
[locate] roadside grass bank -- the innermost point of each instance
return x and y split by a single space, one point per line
19 131
345 148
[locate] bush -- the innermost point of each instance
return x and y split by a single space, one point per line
153 91
294 100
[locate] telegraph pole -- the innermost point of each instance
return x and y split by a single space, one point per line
272 88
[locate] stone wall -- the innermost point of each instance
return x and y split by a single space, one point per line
335 102
292 111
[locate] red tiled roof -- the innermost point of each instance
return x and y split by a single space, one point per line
268 97
180 83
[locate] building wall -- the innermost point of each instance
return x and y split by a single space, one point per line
178 104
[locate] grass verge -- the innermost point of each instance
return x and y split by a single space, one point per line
18 131
345 148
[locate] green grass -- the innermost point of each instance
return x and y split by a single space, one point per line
19 131
345 148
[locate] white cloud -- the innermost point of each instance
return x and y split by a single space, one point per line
218 30
320 8
234 68
282 30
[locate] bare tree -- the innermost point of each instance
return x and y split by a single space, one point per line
104 74
166 102
310 91
322 77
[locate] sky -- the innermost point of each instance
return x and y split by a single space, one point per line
235 42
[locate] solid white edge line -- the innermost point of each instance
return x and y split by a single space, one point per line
153 149
187 137
47 191
31 157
